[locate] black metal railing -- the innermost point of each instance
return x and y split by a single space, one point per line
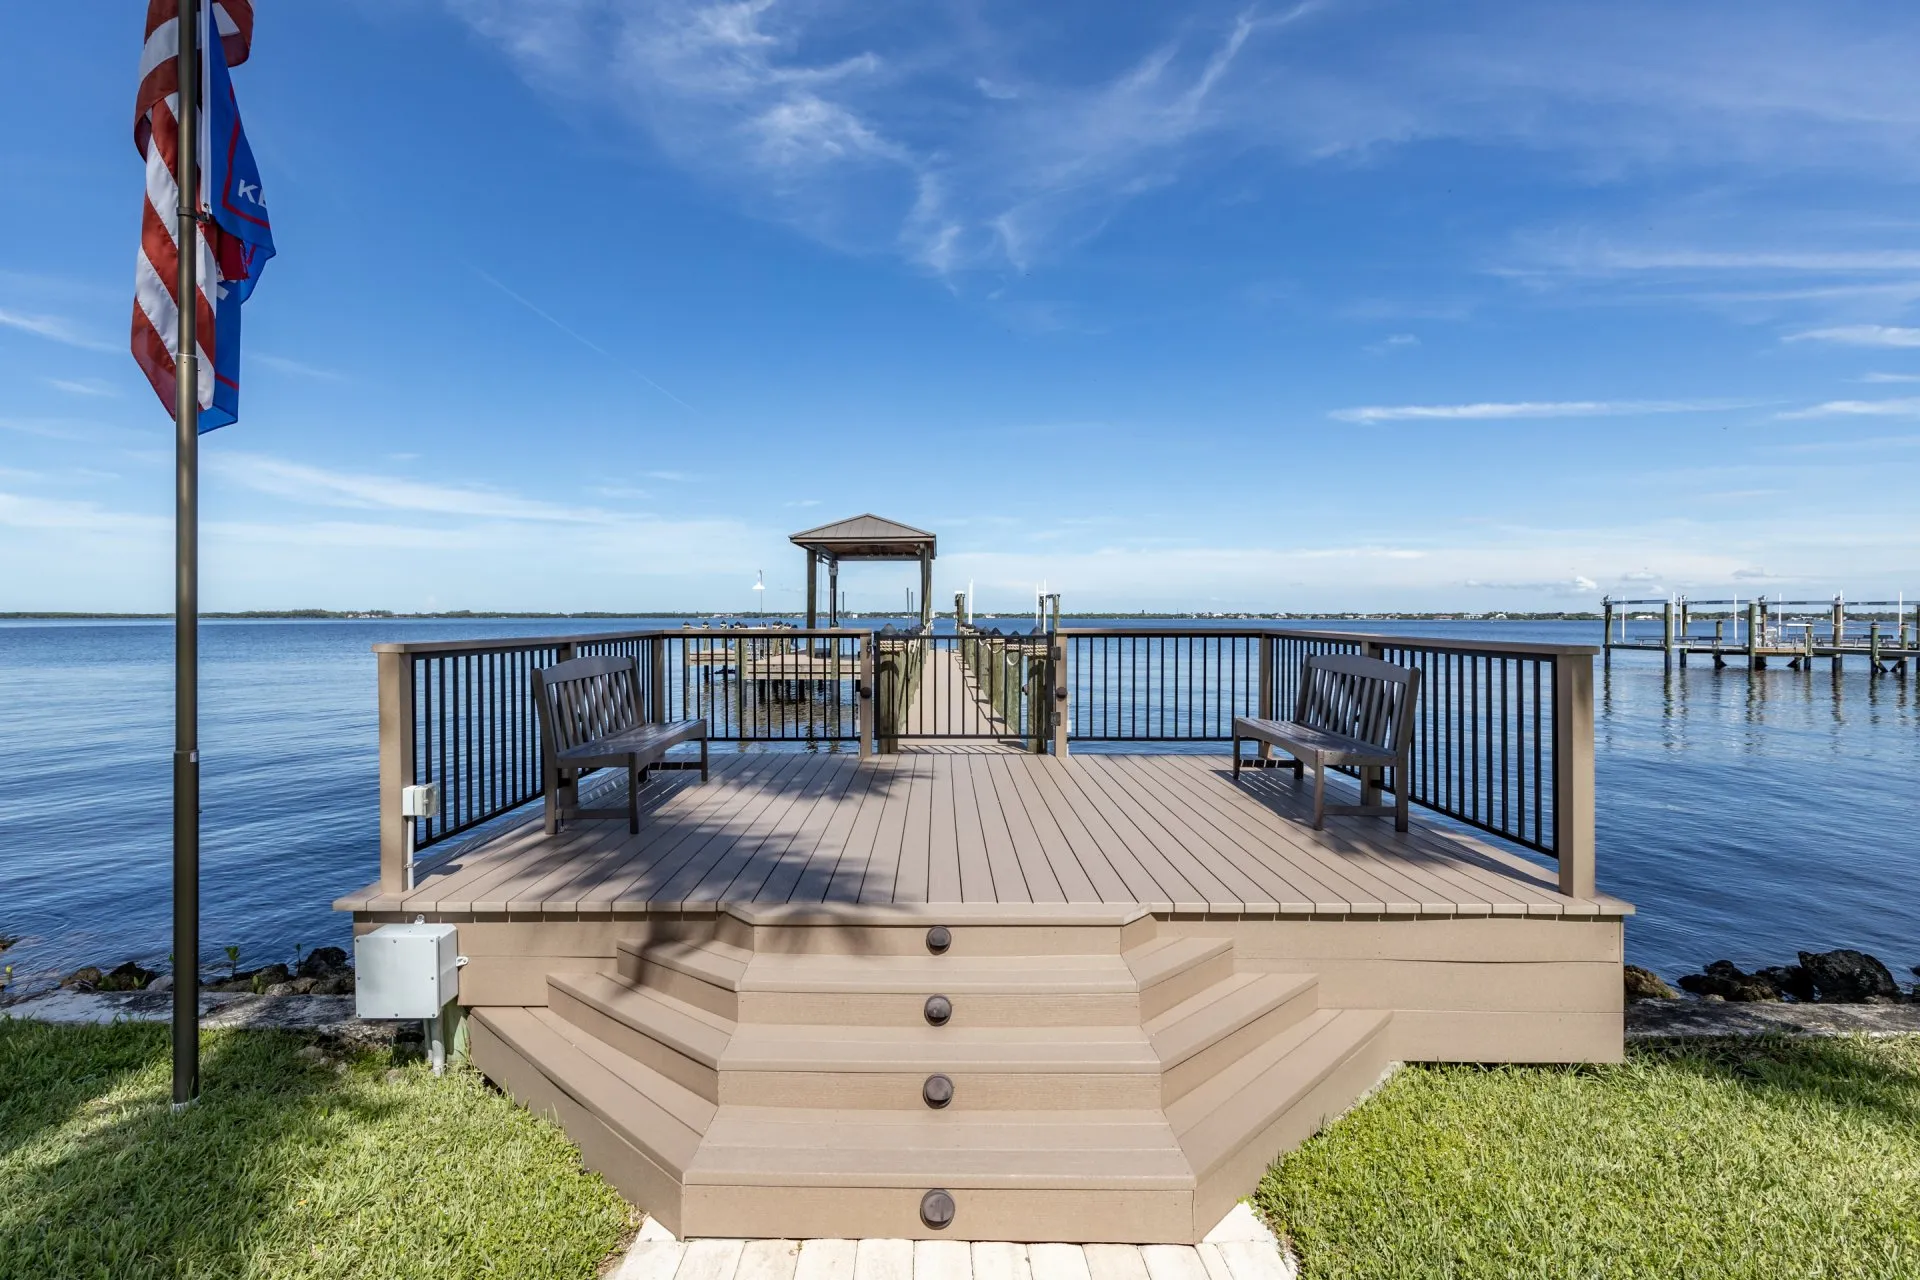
462 715
1502 731
1484 728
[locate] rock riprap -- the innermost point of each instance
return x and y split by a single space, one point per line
1645 984
1825 977
1848 977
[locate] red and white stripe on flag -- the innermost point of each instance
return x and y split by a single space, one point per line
156 135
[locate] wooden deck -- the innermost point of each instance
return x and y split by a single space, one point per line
1171 833
1086 998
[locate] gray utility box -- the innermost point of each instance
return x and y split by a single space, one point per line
405 970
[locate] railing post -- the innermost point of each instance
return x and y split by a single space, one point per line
1061 706
864 711
1573 772
395 680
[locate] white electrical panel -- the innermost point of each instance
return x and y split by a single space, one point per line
405 970
422 801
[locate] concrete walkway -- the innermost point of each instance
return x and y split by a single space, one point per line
1240 1248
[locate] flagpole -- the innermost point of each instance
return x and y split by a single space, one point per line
186 577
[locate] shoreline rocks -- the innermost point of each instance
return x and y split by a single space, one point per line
1842 976
324 971
1848 977
1645 984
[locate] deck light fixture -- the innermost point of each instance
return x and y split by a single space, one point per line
938 1010
939 938
936 1209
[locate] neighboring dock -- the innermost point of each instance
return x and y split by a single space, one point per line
1885 634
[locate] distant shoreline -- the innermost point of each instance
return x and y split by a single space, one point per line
457 615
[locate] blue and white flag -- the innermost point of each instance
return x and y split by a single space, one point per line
245 241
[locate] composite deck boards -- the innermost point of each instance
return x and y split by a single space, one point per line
997 845
647 877
826 829
1411 849
1171 832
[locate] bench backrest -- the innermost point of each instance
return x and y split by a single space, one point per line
1362 698
584 699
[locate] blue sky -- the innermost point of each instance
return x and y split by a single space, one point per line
587 304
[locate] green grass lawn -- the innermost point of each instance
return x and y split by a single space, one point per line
291 1164
1767 1159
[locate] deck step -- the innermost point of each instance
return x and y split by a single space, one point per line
890 990
1216 1121
1170 970
636 1127
704 973
774 1146
1091 1092
991 1069
1012 1176
1200 1037
678 1040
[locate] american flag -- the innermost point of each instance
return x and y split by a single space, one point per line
220 255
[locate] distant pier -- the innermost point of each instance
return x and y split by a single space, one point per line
1884 634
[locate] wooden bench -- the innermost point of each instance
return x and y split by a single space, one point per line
591 718
1351 711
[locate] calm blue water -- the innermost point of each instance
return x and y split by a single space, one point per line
1747 817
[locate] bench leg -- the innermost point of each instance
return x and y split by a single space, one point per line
1319 796
634 774
1236 759
1400 789
703 759
1370 784
550 787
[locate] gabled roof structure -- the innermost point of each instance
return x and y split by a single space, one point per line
867 537
863 537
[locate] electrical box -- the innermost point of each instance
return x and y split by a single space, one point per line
405 970
422 801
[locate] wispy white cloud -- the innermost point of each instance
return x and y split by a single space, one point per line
950 149
959 138
1861 335
53 328
63 515
1891 377
318 486
297 368
1499 411
1906 407
83 387
1605 258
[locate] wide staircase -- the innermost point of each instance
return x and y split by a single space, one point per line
1002 1074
